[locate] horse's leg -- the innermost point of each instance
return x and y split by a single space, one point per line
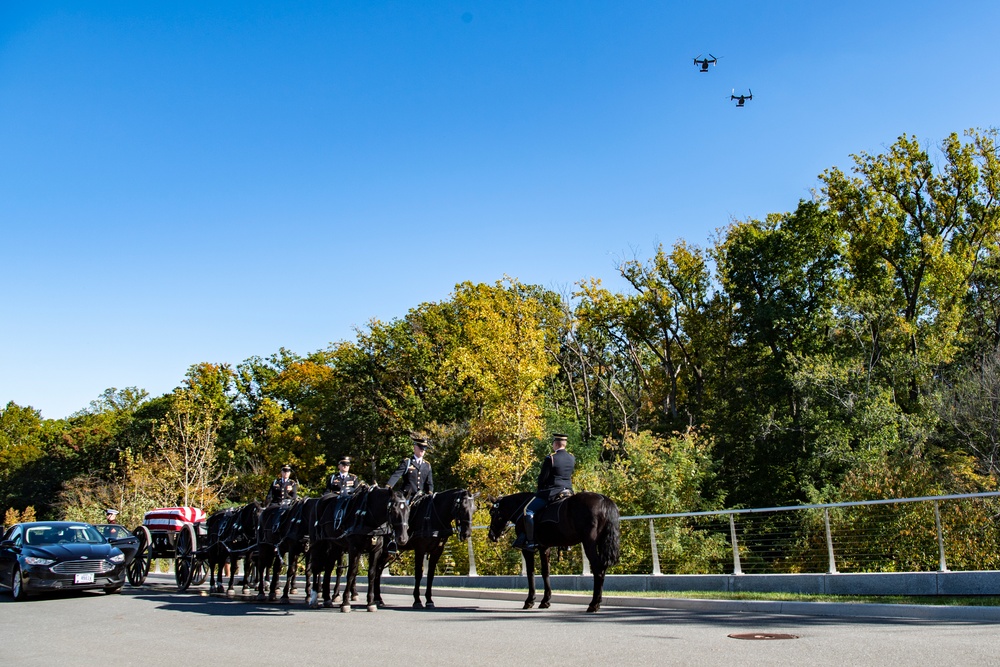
328 565
547 595
247 563
220 567
418 573
211 574
293 567
263 563
353 560
327 575
590 548
234 569
529 562
294 552
435 555
354 588
267 567
377 559
306 566
338 562
272 594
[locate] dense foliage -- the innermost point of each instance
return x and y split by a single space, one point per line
849 349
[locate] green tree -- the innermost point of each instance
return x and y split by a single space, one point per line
917 238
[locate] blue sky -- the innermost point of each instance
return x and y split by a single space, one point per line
189 181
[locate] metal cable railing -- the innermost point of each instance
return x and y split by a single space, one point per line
930 533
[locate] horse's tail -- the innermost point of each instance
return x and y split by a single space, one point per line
609 541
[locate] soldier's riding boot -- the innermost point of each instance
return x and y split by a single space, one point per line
529 532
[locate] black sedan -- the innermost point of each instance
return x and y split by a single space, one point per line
58 555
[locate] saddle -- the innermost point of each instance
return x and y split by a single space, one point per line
555 511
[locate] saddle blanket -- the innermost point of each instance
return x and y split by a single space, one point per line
552 513
172 518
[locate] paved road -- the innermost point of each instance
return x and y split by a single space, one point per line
156 626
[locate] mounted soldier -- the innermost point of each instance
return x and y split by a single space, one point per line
342 482
554 480
415 472
283 490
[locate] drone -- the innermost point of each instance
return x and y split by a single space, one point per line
741 99
705 62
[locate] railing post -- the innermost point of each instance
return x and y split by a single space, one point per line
829 541
472 558
943 566
586 561
737 567
652 545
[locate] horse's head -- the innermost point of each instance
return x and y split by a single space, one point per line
399 516
462 511
498 519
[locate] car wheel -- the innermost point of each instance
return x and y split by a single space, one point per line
17 586
111 590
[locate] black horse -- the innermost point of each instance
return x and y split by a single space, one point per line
295 542
334 517
382 517
584 517
431 524
219 526
268 558
240 542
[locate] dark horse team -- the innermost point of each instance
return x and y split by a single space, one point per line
353 520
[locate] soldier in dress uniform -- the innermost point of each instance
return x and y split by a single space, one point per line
284 489
414 471
342 482
555 478
111 515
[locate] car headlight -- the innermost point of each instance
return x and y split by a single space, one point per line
119 558
32 560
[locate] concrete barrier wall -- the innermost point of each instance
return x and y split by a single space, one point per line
892 583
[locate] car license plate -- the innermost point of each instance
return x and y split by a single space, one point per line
85 578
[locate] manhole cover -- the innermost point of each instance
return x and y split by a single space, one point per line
762 635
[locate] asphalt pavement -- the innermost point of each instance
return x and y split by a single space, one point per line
154 625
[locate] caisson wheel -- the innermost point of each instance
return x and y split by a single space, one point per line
138 569
184 560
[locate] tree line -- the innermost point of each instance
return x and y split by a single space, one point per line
846 350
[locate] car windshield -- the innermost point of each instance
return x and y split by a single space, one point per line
47 535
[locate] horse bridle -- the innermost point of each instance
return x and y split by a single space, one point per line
460 504
509 520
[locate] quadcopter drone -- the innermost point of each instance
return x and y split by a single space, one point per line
703 63
741 99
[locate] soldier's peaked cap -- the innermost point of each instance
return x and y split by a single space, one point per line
421 443
560 436
286 467
346 460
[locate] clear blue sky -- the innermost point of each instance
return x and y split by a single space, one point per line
207 181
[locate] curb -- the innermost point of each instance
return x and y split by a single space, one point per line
837 609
